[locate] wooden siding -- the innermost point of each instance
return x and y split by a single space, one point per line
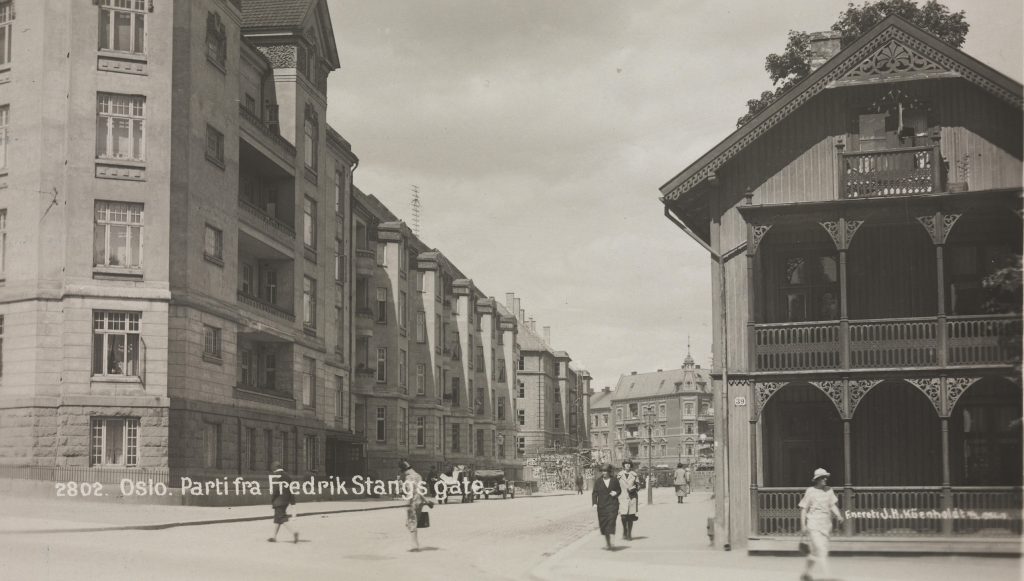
802 431
896 438
891 273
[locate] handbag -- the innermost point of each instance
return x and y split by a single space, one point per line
804 547
423 520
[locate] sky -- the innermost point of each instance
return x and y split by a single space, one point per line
539 132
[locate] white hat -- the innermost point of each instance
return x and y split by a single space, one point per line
820 473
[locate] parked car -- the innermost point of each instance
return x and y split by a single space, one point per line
494 483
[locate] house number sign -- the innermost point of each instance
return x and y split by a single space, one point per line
739 401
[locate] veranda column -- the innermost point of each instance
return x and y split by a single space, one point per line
847 461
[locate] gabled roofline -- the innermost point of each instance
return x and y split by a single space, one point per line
967 66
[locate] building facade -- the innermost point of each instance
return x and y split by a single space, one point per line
852 225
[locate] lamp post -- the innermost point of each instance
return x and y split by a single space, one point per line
649 422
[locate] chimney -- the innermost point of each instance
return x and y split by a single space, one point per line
606 389
632 373
547 335
660 370
823 46
510 300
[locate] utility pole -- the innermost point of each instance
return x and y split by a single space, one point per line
649 421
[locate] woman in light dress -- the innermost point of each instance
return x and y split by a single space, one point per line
817 508
628 505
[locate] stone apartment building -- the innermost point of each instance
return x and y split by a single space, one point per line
175 288
433 355
602 436
657 415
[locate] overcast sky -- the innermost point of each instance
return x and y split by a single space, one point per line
539 132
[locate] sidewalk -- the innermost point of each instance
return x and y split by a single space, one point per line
671 543
34 515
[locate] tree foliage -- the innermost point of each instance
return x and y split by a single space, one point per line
792 65
1005 294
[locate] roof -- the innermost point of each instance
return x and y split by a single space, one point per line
928 52
274 13
529 341
658 383
601 399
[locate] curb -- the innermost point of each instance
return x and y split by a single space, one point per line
542 572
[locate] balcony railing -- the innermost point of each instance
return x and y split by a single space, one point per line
268 130
900 511
895 172
885 343
270 224
265 307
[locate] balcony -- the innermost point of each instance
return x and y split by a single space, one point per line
265 307
366 262
265 223
895 172
266 135
884 343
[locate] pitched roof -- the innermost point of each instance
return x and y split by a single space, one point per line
530 341
274 13
840 68
601 399
659 383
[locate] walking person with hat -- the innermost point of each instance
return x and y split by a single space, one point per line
281 498
817 508
605 497
412 485
629 482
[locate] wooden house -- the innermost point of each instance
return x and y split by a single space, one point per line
850 226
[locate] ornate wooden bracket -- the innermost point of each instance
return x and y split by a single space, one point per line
842 231
938 225
858 388
835 392
759 231
931 387
763 391
955 387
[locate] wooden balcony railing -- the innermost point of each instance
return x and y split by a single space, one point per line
894 172
899 511
885 343
265 307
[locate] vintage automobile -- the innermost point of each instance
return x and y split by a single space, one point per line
494 483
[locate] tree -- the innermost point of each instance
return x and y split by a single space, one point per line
1005 294
793 64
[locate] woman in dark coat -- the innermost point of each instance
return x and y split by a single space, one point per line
606 500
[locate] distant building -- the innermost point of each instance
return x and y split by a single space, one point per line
658 415
602 433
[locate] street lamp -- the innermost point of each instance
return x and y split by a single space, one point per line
649 416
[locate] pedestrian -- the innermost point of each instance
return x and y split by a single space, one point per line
605 497
629 483
412 485
579 483
281 498
432 482
688 476
679 480
817 508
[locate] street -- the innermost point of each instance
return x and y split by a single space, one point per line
493 539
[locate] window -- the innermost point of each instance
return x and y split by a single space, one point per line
521 415
689 428
421 325
403 257
268 449
250 104
421 432
1 345
5 113
479 402
456 438
419 281
309 382
522 363
249 449
211 342
312 138
340 331
662 411
286 453
618 414
211 445
382 254
421 379
117 235
522 390
309 302
382 417
479 442
501 408
339 396
403 363
213 246
339 261
382 305
688 409
309 223
689 449
115 442
216 40
214 146
269 284
6 30
246 367
363 353
360 419
402 317
362 239
122 25
120 127
470 354
437 333
339 191
520 446
312 448
382 364
558 419
438 383
502 376
403 425
115 343
604 419
808 286
456 390
3 242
